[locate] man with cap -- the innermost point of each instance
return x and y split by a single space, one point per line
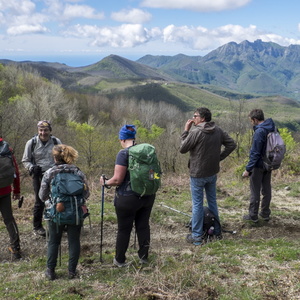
37 159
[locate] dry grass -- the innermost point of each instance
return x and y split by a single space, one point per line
260 262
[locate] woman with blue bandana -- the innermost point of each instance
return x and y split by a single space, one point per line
131 208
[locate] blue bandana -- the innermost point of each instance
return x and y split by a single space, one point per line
127 132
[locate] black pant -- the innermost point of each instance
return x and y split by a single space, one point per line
129 210
39 205
260 182
9 221
55 234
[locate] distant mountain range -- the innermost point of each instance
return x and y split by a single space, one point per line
258 68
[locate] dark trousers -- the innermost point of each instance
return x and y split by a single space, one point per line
9 221
129 210
260 182
55 235
39 205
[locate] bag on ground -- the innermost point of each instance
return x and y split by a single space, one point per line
67 202
7 169
144 169
275 150
208 221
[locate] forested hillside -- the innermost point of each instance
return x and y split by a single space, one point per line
260 262
90 120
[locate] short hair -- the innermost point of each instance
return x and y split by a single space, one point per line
204 113
257 114
64 154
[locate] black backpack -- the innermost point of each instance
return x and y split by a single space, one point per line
7 169
209 221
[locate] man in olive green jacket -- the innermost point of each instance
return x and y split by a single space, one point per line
208 144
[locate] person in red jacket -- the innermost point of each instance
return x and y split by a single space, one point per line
6 210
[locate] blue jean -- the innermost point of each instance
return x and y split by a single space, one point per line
198 185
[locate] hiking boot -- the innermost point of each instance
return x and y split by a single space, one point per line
266 219
120 265
249 218
72 274
195 241
15 252
39 231
50 274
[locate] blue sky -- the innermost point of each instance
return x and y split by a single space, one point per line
82 32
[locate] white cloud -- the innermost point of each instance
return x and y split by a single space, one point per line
24 29
200 38
20 17
194 38
134 16
17 7
80 11
197 5
124 36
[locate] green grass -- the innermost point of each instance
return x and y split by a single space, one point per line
259 262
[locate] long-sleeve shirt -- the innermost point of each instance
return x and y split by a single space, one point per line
41 155
204 142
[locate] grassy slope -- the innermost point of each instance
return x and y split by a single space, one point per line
280 108
260 262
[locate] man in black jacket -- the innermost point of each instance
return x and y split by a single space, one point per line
260 179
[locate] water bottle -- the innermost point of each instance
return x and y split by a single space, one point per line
211 230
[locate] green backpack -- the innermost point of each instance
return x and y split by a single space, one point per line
144 169
7 169
66 189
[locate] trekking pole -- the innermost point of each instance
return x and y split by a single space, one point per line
134 243
59 254
101 224
181 212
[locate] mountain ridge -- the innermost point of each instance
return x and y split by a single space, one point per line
258 68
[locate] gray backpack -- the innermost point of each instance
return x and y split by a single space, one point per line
7 170
275 150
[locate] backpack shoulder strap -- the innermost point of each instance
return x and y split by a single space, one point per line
33 143
54 140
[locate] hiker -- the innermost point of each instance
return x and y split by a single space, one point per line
130 207
260 179
64 157
37 159
5 200
205 143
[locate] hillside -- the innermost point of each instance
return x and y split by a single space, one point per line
118 67
233 71
259 68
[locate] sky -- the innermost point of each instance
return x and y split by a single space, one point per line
82 32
